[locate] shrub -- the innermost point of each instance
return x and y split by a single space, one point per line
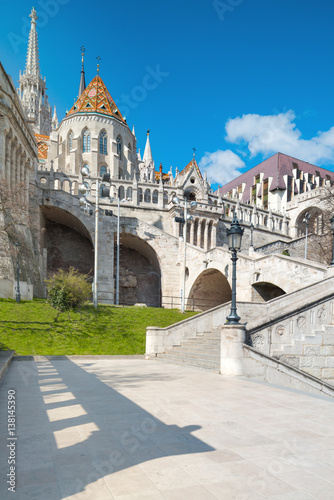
68 289
286 252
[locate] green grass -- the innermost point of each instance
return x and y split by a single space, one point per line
32 328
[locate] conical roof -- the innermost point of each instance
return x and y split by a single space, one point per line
96 99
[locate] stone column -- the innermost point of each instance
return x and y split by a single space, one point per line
214 236
232 339
192 227
206 231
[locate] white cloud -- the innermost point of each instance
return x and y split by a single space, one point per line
278 133
221 166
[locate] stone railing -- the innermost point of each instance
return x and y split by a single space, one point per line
149 195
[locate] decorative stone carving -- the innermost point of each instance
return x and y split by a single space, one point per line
280 331
301 322
322 313
258 341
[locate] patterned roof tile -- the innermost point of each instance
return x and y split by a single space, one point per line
96 99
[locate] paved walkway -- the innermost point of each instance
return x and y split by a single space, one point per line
135 429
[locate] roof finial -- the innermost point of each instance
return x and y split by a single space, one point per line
83 50
194 150
98 64
148 132
82 85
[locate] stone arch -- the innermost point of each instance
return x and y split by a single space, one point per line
262 291
140 274
210 289
315 224
67 240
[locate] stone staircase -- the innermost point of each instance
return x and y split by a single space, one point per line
202 351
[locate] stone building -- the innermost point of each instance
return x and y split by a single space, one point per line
161 258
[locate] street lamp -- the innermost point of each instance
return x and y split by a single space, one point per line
83 202
234 235
332 228
18 294
306 219
183 219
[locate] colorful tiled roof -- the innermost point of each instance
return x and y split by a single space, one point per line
189 167
96 99
43 147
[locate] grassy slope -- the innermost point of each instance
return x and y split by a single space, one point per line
30 328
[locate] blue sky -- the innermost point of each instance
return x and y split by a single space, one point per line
237 79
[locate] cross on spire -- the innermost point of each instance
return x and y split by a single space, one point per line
194 150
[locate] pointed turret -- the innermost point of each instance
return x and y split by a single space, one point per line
82 85
147 158
55 122
32 90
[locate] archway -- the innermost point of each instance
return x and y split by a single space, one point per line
67 241
314 217
139 272
264 291
210 289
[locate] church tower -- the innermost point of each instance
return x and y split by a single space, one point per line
32 89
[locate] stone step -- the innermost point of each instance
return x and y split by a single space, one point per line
188 361
214 369
193 355
197 348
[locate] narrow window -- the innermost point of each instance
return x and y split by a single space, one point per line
86 142
119 146
103 143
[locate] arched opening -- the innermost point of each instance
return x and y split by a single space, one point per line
139 272
67 241
210 289
313 217
264 291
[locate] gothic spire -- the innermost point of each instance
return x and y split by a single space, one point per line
147 158
32 64
82 85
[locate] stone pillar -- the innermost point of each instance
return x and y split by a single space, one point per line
214 235
232 338
206 232
192 226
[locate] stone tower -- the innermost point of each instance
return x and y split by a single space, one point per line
32 89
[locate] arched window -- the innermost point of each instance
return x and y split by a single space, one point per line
140 194
86 142
101 189
103 143
147 196
121 193
119 146
103 170
129 193
155 196
70 141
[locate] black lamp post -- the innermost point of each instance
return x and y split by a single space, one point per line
234 235
332 228
18 294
